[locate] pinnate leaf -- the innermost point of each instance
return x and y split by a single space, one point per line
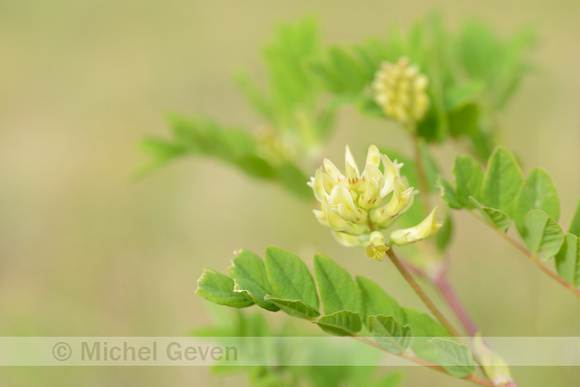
342 323
289 277
219 288
495 218
537 192
468 179
568 260
454 357
249 274
501 181
389 333
542 234
337 289
575 224
376 301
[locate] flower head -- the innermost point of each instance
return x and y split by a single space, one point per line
401 91
357 205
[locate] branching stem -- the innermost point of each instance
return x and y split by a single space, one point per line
472 378
532 258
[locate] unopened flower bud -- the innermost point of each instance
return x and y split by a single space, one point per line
495 367
377 247
401 91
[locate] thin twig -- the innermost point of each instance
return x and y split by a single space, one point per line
472 378
421 174
422 295
532 258
450 296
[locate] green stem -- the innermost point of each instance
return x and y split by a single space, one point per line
422 295
532 258
472 378
450 296
441 283
421 174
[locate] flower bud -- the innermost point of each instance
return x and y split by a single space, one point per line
401 91
495 367
425 229
377 247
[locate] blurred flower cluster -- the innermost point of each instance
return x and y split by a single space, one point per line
401 91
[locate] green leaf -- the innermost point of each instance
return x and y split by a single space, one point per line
337 289
501 181
537 192
219 288
499 62
376 301
295 308
389 333
468 179
575 224
347 70
460 95
342 323
444 235
257 98
289 277
464 120
293 179
454 357
568 260
249 274
496 218
542 234
431 168
393 379
448 194
255 166
423 327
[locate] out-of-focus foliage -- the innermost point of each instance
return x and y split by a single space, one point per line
234 325
472 75
294 119
291 102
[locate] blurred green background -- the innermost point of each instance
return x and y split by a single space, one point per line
87 252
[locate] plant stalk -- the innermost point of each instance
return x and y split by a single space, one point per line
422 295
472 378
532 258
421 174
450 296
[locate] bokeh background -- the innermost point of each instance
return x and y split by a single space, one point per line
85 251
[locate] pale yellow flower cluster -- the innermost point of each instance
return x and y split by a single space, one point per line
401 91
357 205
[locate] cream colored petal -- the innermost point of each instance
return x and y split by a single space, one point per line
350 160
373 156
346 239
426 228
318 185
332 170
